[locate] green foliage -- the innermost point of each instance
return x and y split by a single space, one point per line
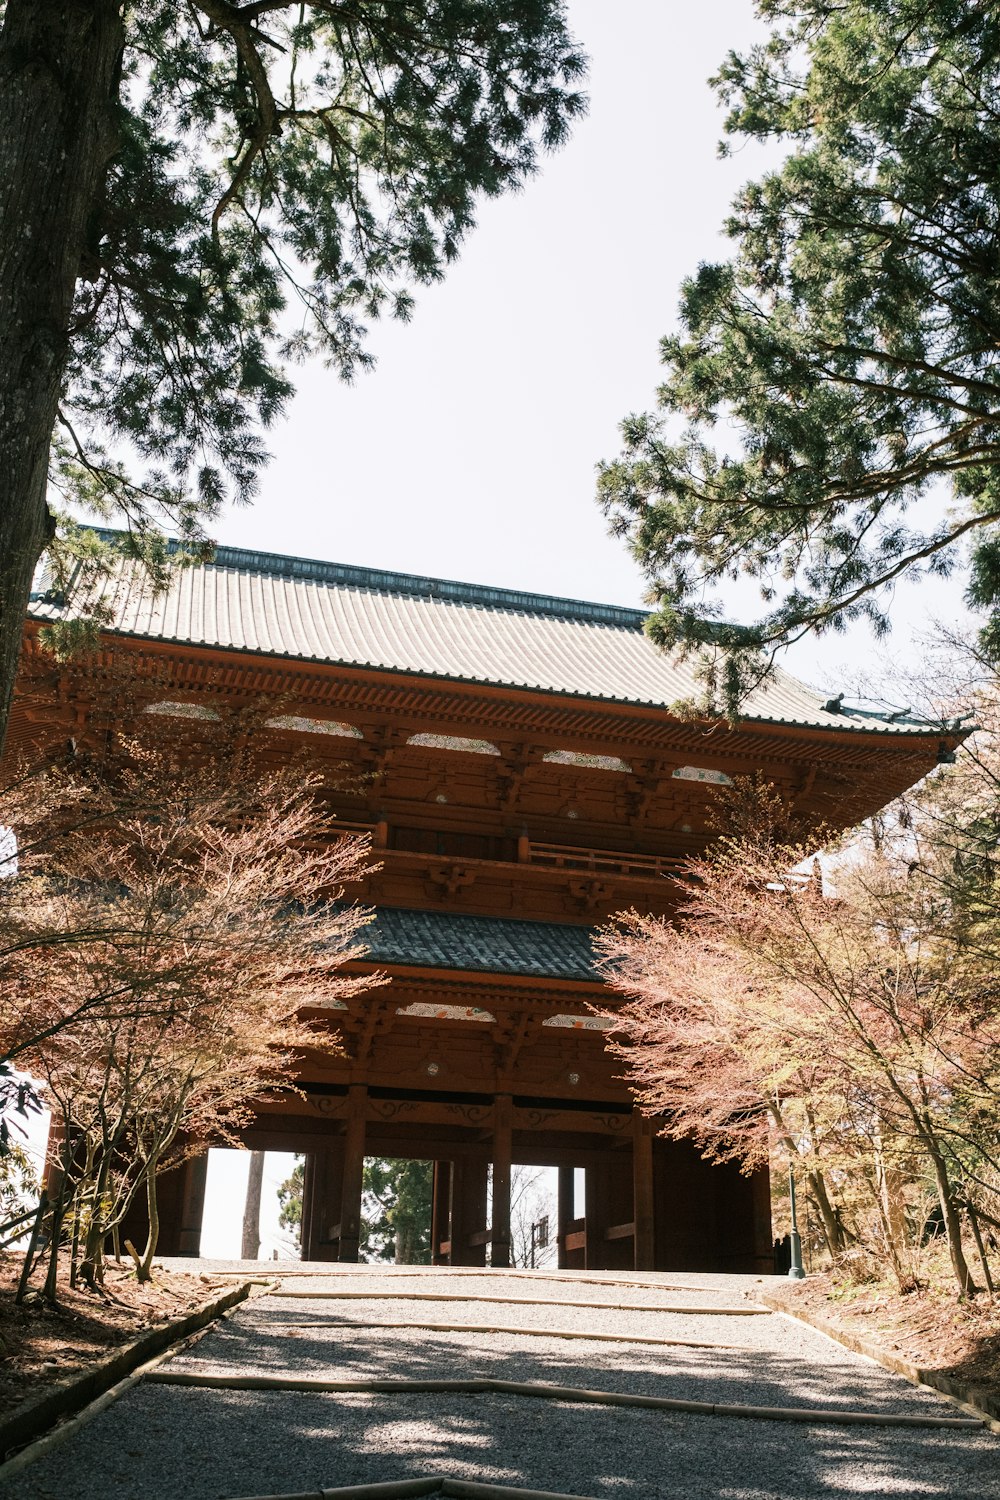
290 1199
286 173
849 344
396 1209
396 1223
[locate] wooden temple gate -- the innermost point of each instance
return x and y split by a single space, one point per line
523 776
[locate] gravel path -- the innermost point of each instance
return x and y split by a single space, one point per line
164 1442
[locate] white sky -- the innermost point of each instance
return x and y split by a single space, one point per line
470 451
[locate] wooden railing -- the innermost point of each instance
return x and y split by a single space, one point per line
568 857
606 861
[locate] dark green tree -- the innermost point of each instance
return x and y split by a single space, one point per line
396 1218
396 1209
829 417
195 193
290 1200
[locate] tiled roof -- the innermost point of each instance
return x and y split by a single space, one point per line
431 627
491 945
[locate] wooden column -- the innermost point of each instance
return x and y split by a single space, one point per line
354 1164
326 1179
468 1213
441 1213
763 1243
642 1193
192 1204
567 1197
503 1120
597 1206
308 1194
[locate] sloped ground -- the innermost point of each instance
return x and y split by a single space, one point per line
40 1345
169 1441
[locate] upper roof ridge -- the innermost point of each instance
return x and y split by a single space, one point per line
382 581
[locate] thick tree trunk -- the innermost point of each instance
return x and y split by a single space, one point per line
251 1213
60 64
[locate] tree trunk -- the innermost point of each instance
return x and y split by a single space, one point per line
59 79
251 1213
832 1230
952 1222
144 1265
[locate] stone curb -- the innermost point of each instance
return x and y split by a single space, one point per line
309 1384
979 1403
76 1391
387 1296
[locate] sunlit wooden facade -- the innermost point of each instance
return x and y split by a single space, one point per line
523 776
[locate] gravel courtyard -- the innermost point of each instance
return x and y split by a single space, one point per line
694 1339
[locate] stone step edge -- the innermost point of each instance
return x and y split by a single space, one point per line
357 1271
307 1384
969 1398
529 1333
387 1296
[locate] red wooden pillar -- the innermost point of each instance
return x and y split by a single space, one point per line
642 1193
597 1213
441 1212
354 1165
468 1213
503 1123
308 1195
567 1206
192 1204
325 1177
610 1226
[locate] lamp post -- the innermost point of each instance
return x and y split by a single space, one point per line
795 1270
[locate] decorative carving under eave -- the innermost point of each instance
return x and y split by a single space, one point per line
509 1039
513 770
448 880
590 894
377 753
376 1019
472 1114
391 1109
639 795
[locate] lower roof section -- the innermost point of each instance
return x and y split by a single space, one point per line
490 945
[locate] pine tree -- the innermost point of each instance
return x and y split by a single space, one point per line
194 194
841 365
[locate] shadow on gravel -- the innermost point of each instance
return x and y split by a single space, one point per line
166 1443
741 1376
